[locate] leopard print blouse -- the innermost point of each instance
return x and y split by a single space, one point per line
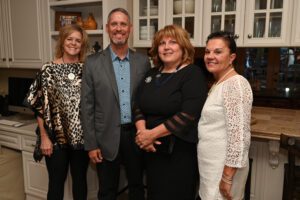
55 97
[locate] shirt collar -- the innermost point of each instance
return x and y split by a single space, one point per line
115 57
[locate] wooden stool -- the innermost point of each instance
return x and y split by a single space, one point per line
291 188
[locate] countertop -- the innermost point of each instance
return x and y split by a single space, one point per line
270 123
267 123
27 129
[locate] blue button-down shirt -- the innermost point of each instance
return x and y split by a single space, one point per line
122 73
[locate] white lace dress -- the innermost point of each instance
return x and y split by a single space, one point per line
224 137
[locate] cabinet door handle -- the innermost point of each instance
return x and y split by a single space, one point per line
3 59
236 36
249 36
10 59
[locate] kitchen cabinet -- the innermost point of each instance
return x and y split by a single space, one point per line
295 25
95 7
22 34
35 174
267 23
225 15
151 15
98 8
148 18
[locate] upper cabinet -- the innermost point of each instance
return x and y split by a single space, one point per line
268 22
22 34
148 18
296 24
225 15
151 15
88 13
91 14
254 23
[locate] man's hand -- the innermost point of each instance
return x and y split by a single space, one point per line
95 156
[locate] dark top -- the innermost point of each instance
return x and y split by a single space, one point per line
175 99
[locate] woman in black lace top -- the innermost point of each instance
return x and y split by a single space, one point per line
167 109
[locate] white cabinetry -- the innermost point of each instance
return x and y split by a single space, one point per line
296 24
36 176
22 34
268 22
99 9
224 15
151 15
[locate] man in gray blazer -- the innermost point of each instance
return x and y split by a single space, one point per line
110 79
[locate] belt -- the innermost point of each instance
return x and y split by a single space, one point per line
127 127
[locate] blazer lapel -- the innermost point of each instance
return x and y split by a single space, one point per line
133 69
108 66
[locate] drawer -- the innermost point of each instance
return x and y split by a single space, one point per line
10 140
28 143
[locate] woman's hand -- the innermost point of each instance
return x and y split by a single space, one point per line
145 140
226 181
46 145
225 188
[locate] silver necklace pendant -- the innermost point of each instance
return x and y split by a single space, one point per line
71 76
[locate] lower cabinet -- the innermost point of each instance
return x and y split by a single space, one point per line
36 176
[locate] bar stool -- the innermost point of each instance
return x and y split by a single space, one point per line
291 188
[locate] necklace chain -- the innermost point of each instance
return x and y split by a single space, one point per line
220 80
224 76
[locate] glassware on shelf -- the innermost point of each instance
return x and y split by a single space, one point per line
230 5
259 25
216 6
215 23
275 24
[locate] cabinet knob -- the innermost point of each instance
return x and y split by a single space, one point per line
3 59
10 59
249 36
236 36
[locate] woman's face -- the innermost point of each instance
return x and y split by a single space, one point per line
72 44
217 56
169 51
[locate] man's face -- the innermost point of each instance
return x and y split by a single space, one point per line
118 28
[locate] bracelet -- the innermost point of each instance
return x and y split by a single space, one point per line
226 181
227 177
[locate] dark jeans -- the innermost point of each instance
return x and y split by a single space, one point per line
58 164
109 171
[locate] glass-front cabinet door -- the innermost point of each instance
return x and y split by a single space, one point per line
267 22
147 20
187 14
225 15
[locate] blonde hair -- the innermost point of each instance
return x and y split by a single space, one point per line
64 33
182 38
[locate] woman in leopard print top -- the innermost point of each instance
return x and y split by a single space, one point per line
55 98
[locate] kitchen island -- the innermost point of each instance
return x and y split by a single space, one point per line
267 170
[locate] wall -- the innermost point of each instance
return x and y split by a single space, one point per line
5 73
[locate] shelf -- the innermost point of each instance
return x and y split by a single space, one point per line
72 2
89 32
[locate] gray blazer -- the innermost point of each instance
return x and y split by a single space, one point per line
100 109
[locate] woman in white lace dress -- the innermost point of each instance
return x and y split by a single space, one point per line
224 127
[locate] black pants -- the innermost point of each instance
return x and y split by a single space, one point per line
109 171
58 164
